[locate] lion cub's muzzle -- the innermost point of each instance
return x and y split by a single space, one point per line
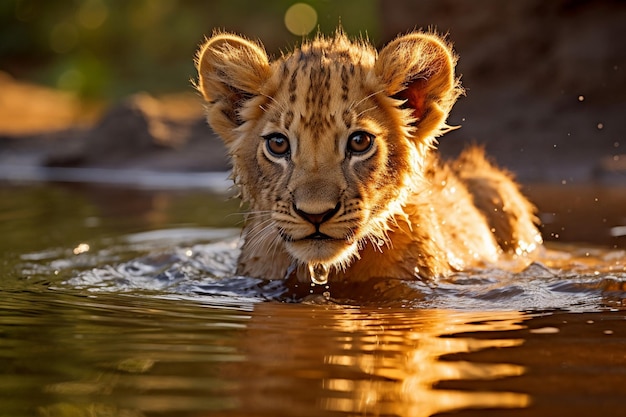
317 219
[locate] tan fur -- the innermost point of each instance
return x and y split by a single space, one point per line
392 210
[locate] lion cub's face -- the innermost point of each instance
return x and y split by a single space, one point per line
326 142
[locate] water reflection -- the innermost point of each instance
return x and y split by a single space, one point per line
279 359
166 334
378 362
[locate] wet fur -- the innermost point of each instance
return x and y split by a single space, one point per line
395 211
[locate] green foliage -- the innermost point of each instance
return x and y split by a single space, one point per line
111 48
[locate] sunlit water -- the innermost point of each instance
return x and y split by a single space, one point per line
126 304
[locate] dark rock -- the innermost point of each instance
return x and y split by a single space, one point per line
139 133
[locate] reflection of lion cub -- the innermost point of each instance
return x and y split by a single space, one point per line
332 147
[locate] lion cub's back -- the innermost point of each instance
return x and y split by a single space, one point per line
509 214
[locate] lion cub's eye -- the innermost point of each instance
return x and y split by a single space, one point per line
277 144
360 142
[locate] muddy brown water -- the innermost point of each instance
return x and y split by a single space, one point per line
122 302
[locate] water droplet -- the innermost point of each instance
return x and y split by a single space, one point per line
581 98
81 248
319 273
600 126
545 330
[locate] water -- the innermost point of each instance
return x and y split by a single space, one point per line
124 303
318 273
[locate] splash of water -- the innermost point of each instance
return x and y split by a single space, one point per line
318 273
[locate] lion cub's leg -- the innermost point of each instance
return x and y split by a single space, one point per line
509 214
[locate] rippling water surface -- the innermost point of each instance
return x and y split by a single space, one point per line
124 303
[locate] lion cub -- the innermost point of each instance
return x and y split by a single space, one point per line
332 147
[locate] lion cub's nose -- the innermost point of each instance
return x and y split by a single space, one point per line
318 218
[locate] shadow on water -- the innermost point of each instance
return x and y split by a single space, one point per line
125 303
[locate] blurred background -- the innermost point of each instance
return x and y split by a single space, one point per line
545 81
106 49
106 84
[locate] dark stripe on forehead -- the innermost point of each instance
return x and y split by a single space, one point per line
347 118
293 86
344 83
318 99
288 120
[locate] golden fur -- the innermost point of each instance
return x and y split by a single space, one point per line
332 147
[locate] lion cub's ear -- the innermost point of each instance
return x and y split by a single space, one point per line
231 70
419 69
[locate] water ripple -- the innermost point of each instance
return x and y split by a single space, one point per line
201 263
